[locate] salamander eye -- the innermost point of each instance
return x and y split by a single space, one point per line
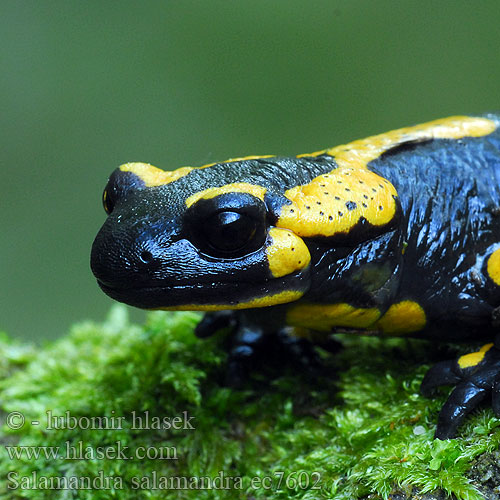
229 226
229 231
107 202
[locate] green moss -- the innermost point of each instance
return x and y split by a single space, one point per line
364 430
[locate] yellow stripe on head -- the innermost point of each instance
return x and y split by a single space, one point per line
237 187
153 176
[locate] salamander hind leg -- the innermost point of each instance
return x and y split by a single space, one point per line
476 376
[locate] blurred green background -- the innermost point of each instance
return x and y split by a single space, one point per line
88 85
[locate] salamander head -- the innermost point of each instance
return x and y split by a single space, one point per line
199 239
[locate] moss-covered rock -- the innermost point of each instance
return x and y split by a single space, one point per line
362 433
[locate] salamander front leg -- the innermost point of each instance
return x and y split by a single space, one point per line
215 321
253 344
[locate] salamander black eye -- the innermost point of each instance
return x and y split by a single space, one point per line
229 226
107 202
229 231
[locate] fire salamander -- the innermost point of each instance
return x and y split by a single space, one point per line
397 234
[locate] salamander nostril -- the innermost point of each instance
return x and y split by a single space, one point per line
146 256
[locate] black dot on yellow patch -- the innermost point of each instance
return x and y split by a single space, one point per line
339 211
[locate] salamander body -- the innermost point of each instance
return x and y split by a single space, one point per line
397 234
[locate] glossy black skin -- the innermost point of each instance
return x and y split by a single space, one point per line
450 194
433 253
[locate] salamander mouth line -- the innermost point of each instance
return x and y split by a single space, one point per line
168 288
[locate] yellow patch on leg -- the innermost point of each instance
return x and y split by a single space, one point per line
474 358
404 317
324 317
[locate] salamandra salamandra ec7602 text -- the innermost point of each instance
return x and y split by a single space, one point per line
397 234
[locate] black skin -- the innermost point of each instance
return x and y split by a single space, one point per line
152 253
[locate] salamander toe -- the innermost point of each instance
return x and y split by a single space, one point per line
475 376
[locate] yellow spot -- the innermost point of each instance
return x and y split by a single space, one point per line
493 266
237 187
334 203
359 153
333 191
286 253
404 317
268 300
153 176
323 317
473 358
